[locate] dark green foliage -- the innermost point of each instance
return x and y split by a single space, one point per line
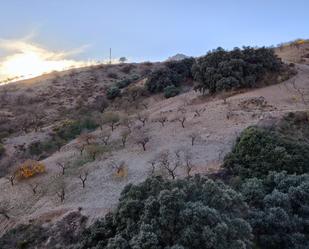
23 237
159 214
174 73
282 146
224 70
279 210
123 83
5 132
61 134
65 233
182 67
113 92
160 79
126 82
70 129
171 91
2 150
36 148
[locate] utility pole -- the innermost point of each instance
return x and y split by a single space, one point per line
110 56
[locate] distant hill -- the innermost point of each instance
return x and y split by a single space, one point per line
177 57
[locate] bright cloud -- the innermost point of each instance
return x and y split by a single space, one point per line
24 59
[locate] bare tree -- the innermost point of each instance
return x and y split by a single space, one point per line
162 119
61 193
198 112
104 136
62 166
142 138
143 118
94 149
4 209
194 136
188 162
224 96
80 147
36 117
145 105
301 92
34 187
127 122
111 119
11 178
83 177
86 138
181 119
120 167
152 163
124 137
165 163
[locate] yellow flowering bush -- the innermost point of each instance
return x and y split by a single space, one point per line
30 168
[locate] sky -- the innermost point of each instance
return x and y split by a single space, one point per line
148 30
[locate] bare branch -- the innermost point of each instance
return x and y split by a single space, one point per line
62 166
83 177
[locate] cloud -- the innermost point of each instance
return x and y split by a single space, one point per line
24 59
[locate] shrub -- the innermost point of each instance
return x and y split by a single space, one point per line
123 83
112 75
36 148
61 234
66 131
111 119
2 150
70 129
23 237
174 73
283 146
113 92
278 213
161 78
161 214
171 91
182 67
224 70
30 168
126 82
127 68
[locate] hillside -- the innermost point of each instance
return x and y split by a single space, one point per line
296 52
190 126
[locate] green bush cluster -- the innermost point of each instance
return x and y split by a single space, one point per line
126 82
283 146
271 162
23 237
278 214
70 129
63 234
61 134
113 92
171 91
240 68
190 213
172 74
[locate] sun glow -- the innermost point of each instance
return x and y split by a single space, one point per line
25 60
